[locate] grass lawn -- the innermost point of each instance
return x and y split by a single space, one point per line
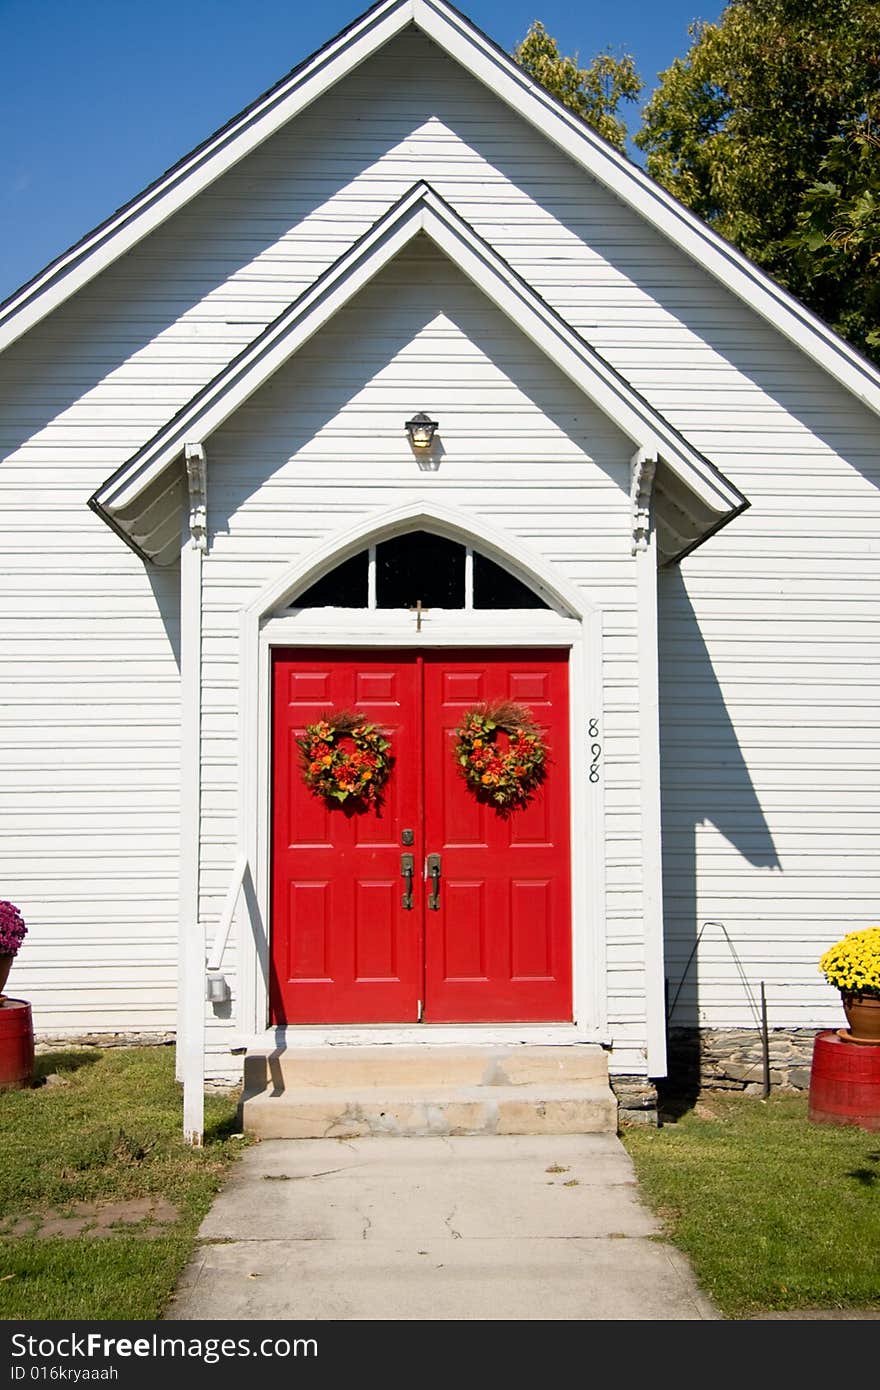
108 1132
774 1213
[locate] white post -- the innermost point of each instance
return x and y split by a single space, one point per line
191 1014
645 551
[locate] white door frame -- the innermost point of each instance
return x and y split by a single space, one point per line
573 622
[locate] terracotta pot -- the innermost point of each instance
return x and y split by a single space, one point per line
5 967
863 1016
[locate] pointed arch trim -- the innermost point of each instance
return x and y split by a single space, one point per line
420 513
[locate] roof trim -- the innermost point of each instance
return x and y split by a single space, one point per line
198 169
476 52
422 209
464 42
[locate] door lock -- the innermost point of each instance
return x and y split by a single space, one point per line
432 871
406 869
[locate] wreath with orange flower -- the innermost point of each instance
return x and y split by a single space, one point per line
345 758
504 773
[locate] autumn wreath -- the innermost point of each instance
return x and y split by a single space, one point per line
506 776
345 757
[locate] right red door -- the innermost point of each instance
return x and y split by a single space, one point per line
498 944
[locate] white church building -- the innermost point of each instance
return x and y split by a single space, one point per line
648 515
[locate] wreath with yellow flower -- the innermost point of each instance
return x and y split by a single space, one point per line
504 771
345 758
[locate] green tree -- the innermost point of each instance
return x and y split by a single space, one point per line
594 93
836 241
767 129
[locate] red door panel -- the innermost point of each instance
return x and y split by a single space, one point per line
344 950
499 947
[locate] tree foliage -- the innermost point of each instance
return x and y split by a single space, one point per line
836 241
593 93
768 129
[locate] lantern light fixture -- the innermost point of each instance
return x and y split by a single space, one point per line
421 429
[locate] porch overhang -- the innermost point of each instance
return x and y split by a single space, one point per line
141 500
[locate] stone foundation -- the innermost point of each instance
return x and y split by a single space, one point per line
223 1084
53 1042
732 1059
636 1100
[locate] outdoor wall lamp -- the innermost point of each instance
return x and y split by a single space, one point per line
421 430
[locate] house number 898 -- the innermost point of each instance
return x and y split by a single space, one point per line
595 749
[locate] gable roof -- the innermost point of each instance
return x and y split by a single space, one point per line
128 499
464 42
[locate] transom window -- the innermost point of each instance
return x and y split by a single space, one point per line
419 568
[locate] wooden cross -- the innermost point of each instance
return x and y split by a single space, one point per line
418 610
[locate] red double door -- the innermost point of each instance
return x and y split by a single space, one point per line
486 937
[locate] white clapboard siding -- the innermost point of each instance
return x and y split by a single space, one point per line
769 650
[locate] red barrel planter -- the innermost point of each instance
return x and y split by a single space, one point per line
845 1082
16 1044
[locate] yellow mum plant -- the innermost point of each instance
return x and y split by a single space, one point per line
853 964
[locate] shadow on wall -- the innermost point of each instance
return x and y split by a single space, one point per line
704 780
165 584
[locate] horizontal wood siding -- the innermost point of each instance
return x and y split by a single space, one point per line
769 628
89 755
771 742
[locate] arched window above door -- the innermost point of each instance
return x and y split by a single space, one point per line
419 567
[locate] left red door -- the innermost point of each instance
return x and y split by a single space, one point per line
344 946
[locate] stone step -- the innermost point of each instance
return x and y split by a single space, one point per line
424 1065
329 1112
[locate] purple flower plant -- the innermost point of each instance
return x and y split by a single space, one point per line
12 929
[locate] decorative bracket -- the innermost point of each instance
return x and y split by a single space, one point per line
197 485
643 469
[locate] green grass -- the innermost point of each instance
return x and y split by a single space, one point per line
111 1132
774 1213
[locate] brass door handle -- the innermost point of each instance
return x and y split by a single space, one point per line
432 866
406 869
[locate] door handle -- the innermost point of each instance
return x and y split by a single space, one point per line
406 869
432 866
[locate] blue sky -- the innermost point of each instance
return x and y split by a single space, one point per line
98 97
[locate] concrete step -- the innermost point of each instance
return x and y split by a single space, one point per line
327 1112
424 1065
341 1091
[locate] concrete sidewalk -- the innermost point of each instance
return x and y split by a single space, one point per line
481 1228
